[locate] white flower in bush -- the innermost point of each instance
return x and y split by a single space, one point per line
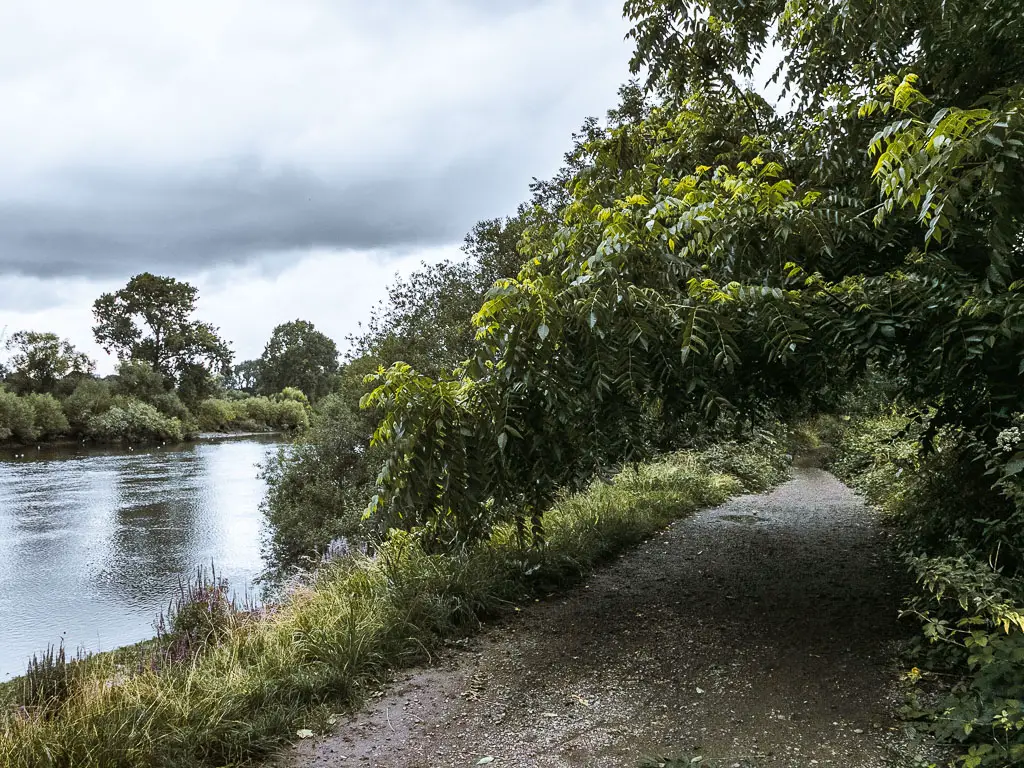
1008 439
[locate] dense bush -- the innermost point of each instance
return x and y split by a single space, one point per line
291 415
285 412
169 404
217 415
135 422
260 410
135 407
48 416
91 398
962 536
319 487
17 418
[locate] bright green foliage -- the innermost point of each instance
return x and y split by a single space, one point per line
89 399
292 394
291 414
441 453
286 411
48 416
297 356
17 418
218 415
630 320
261 410
715 257
132 421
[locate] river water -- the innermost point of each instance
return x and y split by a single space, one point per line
93 542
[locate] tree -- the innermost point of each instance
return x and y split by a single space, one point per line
40 361
245 376
318 489
426 320
300 356
138 379
150 320
714 257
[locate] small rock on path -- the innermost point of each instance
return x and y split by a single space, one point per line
759 633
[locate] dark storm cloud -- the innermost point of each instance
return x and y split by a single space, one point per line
182 225
384 126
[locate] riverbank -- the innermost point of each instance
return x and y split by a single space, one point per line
102 412
200 437
250 683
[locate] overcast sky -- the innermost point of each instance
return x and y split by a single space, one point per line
286 157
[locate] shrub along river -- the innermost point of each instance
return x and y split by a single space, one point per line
93 541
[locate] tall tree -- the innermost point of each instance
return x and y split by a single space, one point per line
426 320
40 361
298 355
713 256
150 320
245 376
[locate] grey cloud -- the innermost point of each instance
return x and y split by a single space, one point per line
187 136
184 224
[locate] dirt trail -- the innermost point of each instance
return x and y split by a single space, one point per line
758 633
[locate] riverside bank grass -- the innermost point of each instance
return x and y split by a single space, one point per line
242 697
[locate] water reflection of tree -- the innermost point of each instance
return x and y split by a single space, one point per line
159 506
182 510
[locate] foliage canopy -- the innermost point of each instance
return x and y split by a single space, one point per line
297 355
150 320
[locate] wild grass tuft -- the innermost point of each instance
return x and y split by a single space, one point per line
244 690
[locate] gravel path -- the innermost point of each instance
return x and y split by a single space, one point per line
759 633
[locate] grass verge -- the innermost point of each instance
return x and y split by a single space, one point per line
254 682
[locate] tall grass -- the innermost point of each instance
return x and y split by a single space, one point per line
244 693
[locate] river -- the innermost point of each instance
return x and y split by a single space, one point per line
93 541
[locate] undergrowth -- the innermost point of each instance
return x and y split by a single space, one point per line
249 680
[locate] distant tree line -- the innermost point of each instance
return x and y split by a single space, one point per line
174 377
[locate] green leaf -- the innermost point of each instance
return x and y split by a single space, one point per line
1014 465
